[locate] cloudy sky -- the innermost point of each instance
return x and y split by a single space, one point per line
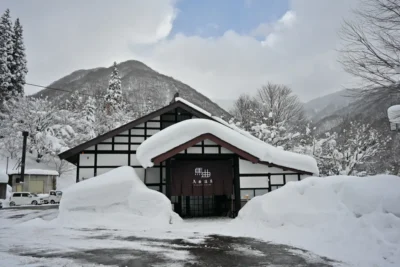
222 48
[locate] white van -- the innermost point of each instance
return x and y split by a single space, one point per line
54 197
25 198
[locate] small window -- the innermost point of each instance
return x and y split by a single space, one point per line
52 193
16 194
260 192
247 194
59 193
25 195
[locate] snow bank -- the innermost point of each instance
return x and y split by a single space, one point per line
394 114
352 219
187 130
117 198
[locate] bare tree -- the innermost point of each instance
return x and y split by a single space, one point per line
275 115
278 103
245 110
61 166
371 50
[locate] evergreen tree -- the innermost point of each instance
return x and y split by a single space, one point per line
113 97
6 56
90 110
19 68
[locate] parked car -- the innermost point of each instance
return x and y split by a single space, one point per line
54 197
25 198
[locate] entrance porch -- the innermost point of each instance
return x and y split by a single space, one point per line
203 185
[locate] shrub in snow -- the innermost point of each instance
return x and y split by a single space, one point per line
340 216
117 198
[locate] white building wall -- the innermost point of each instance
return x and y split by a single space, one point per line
112 159
254 178
86 159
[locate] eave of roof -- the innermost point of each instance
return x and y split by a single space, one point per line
243 154
202 137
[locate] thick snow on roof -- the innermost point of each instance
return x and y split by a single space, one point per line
394 114
187 130
35 172
3 177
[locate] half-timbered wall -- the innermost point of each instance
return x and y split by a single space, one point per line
120 150
258 179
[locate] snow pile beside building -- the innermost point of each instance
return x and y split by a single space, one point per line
394 114
187 130
117 198
352 219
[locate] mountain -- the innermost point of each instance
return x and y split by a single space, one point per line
327 105
140 84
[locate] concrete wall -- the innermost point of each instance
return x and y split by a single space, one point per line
27 186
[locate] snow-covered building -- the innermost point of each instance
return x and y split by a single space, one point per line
394 117
35 181
203 164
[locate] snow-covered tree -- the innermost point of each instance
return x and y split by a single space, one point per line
275 115
90 110
86 120
246 110
276 135
6 57
113 99
49 129
19 68
360 143
349 150
75 102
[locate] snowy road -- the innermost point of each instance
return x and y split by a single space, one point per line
27 243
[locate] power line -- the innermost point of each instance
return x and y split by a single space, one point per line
60 89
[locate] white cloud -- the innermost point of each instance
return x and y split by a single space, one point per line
63 36
300 50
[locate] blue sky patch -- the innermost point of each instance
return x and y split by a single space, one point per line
210 18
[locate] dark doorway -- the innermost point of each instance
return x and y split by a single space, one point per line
201 187
203 206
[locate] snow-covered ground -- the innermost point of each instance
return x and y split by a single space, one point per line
354 221
30 241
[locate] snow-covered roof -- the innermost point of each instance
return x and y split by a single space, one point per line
193 106
187 130
394 114
3 177
35 172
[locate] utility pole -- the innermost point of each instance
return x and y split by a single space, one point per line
25 135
